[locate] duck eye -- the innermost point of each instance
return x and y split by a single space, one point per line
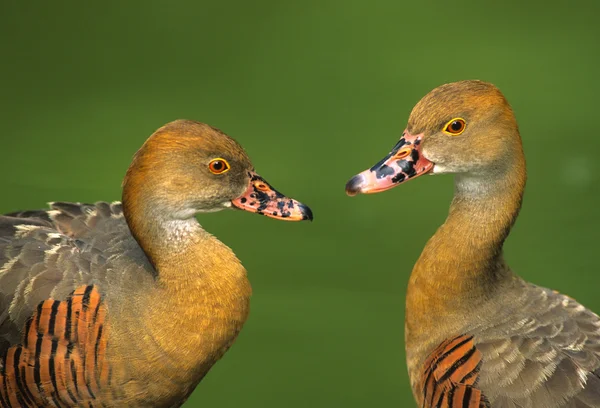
455 127
218 166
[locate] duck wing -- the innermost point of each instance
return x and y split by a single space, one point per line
48 254
543 350
547 354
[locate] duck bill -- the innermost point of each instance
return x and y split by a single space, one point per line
261 198
404 162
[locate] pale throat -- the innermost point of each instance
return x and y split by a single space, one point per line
466 251
179 234
167 237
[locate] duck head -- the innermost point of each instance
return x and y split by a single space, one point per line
463 127
188 167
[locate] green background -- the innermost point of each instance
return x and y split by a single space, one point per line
316 91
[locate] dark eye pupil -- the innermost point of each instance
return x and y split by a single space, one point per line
456 125
218 165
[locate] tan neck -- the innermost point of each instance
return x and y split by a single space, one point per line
200 300
462 263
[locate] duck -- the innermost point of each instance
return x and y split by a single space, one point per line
130 303
477 334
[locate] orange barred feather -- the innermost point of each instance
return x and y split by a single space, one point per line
61 362
450 375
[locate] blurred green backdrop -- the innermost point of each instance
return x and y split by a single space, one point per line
315 91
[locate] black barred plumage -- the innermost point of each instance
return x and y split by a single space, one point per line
69 347
450 375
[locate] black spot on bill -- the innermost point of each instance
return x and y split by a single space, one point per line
394 150
384 171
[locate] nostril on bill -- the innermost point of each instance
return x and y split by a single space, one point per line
353 187
403 153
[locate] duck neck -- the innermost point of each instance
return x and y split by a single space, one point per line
201 295
462 263
182 253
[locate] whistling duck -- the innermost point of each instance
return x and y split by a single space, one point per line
477 335
130 304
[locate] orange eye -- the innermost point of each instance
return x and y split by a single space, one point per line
455 127
218 166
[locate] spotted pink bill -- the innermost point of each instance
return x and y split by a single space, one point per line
261 198
403 162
